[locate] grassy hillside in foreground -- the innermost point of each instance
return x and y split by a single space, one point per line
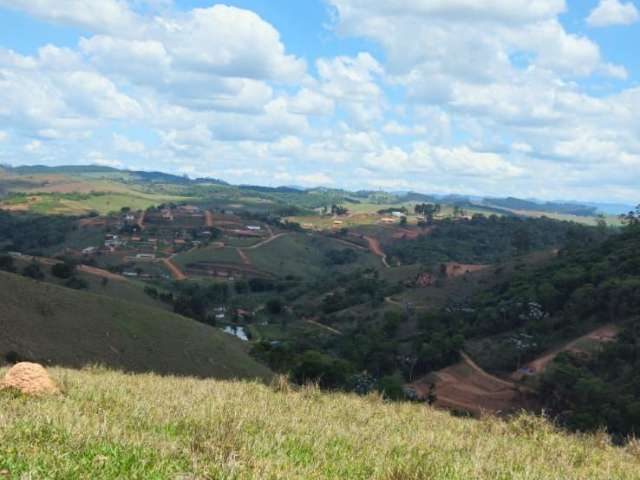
108 425
59 326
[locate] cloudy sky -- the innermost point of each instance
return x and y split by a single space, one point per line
498 97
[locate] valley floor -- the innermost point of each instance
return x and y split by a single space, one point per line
108 425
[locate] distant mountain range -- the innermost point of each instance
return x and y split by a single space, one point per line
586 209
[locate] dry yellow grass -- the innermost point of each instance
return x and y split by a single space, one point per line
108 425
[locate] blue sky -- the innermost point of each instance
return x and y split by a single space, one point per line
486 97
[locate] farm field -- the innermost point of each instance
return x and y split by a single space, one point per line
210 254
78 204
301 255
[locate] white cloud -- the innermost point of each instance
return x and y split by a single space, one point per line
309 102
33 147
315 179
3 136
522 147
105 162
352 82
395 128
125 145
238 43
613 12
102 15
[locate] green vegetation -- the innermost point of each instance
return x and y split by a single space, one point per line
484 240
32 233
588 285
107 425
56 325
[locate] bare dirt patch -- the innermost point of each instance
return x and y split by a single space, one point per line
459 269
466 387
92 222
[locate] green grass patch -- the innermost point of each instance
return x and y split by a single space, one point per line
107 425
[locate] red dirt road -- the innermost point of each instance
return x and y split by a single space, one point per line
245 258
603 335
265 242
208 218
376 249
98 272
176 273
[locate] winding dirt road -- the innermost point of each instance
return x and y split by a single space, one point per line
208 218
324 327
265 242
176 273
96 272
245 258
603 334
141 220
376 249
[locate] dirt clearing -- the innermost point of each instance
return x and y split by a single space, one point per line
466 387
459 269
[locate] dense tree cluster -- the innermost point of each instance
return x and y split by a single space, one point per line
484 240
31 233
341 256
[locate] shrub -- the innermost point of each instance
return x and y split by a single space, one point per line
76 283
13 357
34 271
63 270
7 263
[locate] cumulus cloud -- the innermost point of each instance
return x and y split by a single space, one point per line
613 12
104 15
122 144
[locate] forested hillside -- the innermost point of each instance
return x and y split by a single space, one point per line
587 286
29 233
485 240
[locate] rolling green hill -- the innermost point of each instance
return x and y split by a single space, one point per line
106 425
59 326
